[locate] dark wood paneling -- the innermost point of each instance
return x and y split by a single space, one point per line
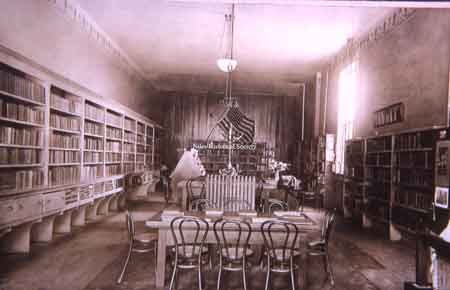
192 117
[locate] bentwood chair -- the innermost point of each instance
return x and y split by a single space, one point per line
281 239
191 252
320 247
276 205
196 192
232 238
201 204
138 243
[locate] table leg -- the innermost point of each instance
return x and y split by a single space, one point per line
161 259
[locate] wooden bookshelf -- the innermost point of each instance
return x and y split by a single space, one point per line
393 175
51 137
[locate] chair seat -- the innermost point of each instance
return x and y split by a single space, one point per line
188 251
146 238
231 254
316 245
279 254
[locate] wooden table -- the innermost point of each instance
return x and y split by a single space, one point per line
165 235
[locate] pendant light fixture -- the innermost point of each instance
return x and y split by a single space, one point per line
227 63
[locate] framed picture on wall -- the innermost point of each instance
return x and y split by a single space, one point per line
441 197
389 115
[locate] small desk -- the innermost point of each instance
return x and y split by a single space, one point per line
165 235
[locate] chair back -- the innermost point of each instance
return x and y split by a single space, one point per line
201 204
281 239
189 235
232 236
130 225
276 204
196 191
222 188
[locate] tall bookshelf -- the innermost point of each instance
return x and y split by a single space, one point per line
393 177
52 138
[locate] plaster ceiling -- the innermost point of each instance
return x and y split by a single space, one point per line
171 38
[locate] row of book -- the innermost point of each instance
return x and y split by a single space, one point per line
64 141
113 133
140 167
128 157
415 140
93 143
129 137
17 85
140 158
140 148
92 172
113 119
413 177
113 184
94 113
19 156
69 104
21 112
379 144
140 139
130 125
21 179
128 168
63 175
91 157
128 148
149 149
415 199
93 128
58 156
21 136
64 122
141 128
113 146
113 157
113 169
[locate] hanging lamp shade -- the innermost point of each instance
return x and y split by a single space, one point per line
227 64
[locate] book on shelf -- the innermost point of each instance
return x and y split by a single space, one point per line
140 148
93 128
20 86
93 157
92 171
130 125
128 157
140 158
16 156
129 137
129 148
58 156
20 179
68 104
64 122
113 133
115 146
113 169
93 143
140 139
94 113
21 136
140 128
128 167
113 157
63 175
58 140
113 119
21 112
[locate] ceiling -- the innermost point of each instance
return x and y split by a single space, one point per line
184 38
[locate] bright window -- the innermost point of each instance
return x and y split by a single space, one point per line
346 112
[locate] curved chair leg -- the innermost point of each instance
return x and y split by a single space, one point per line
329 269
127 260
244 270
292 273
172 280
268 273
200 272
220 273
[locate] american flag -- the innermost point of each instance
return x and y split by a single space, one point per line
243 128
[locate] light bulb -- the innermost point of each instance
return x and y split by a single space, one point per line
227 64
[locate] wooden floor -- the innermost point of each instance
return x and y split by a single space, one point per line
91 258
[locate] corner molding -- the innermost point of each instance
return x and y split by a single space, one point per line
72 10
351 49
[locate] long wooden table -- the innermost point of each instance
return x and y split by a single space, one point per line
309 224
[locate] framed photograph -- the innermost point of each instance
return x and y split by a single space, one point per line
441 197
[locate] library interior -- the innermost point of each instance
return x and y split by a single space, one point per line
251 144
